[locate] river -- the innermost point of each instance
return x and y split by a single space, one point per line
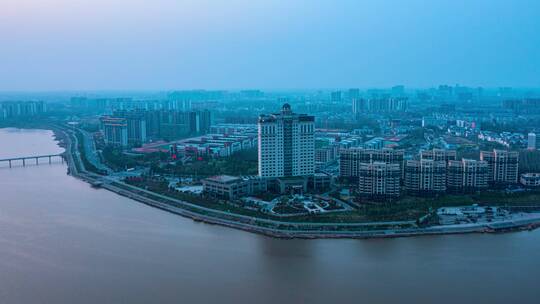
62 241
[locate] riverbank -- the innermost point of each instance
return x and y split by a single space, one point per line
274 228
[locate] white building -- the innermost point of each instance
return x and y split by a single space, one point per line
503 165
530 179
532 142
379 179
438 155
233 187
115 130
467 175
350 160
425 176
286 144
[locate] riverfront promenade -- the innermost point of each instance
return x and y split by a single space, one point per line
275 228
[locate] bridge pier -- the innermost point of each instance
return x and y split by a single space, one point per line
37 163
49 160
9 163
23 162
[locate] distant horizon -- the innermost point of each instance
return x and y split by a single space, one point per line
269 90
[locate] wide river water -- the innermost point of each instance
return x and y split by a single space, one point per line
62 241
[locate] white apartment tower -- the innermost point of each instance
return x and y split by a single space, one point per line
533 142
467 174
503 165
286 144
379 179
425 176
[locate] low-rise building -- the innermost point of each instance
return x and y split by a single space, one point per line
530 179
320 182
233 187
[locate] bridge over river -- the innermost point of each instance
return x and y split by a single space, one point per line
24 159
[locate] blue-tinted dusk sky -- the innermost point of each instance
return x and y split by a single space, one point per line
230 44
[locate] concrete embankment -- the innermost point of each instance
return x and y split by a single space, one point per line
287 229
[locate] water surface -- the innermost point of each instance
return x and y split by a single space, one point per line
62 241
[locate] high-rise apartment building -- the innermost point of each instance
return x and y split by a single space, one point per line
527 105
200 121
438 155
358 105
502 165
335 96
353 94
21 109
350 159
533 141
425 176
467 175
379 179
115 130
136 125
381 105
286 144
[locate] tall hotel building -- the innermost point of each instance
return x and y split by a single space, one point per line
286 144
502 165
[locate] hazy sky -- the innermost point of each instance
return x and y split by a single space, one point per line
229 44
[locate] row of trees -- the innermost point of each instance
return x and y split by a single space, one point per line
241 163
